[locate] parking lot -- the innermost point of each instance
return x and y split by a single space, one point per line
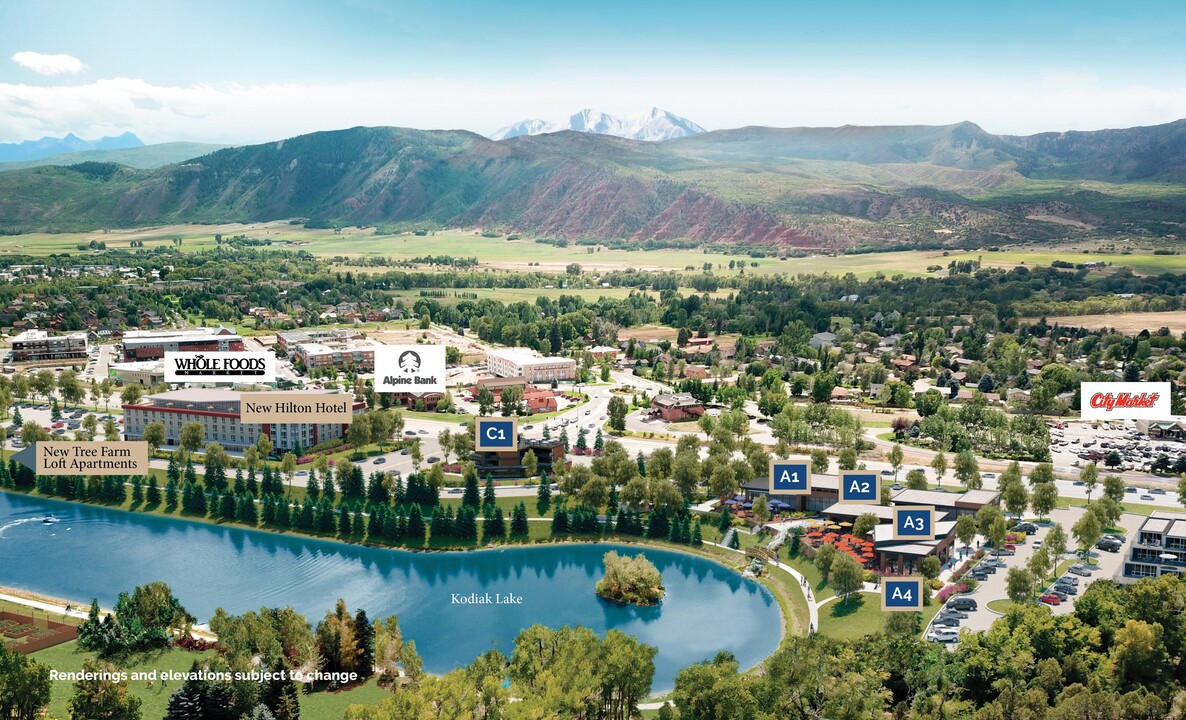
994 588
1080 442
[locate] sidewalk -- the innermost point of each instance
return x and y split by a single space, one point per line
812 606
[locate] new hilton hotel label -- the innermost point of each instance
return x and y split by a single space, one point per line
296 407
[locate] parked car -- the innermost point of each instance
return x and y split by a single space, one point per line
1062 596
897 486
1026 527
1069 580
1081 570
1116 537
953 613
1110 546
1006 552
1066 588
966 604
1051 599
987 568
433 460
1037 544
943 635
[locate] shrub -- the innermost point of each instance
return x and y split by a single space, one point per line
950 590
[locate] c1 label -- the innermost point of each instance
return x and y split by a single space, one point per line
495 433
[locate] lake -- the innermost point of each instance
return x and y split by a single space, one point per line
98 552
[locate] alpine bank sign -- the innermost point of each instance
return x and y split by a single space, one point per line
1125 400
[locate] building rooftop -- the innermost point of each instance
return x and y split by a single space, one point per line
177 335
883 512
350 345
140 365
675 400
944 499
523 356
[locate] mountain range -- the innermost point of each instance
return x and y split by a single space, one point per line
142 157
71 143
803 188
655 125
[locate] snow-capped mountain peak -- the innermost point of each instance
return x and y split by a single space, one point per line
653 125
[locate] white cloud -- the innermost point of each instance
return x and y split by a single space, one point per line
48 64
234 113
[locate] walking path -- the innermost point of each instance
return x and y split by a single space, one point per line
812 607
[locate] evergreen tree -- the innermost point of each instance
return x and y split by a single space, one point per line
488 493
439 527
344 524
313 487
560 520
697 538
327 519
279 696
543 495
726 520
200 507
327 489
415 530
471 497
137 491
658 524
283 516
642 464
519 523
599 442
377 489
358 526
191 475
375 523
173 473
153 496
465 527
188 702
308 516
239 486
227 506
364 637
267 508
494 529
734 543
248 512
250 485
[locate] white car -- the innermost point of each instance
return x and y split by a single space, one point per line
943 634
1037 544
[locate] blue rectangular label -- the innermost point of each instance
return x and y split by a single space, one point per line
900 594
496 433
914 523
789 477
859 487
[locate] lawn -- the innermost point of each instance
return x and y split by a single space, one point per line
860 616
1129 507
67 657
1001 606
820 590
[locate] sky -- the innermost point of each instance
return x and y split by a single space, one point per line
248 71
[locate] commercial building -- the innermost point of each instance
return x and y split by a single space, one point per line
218 412
890 555
291 338
1159 547
153 344
677 407
549 455
530 365
357 354
1174 427
39 345
145 373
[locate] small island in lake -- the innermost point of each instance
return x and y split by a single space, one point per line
630 580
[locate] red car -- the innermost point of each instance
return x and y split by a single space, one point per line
59 424
1051 599
1009 547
